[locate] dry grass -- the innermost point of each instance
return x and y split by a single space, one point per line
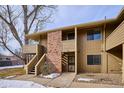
11 72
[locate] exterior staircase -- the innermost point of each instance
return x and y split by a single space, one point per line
32 71
118 64
35 66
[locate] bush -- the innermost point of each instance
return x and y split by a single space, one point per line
48 68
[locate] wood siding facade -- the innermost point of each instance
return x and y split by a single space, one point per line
57 44
116 37
87 47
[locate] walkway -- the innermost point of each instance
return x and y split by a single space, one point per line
62 81
93 85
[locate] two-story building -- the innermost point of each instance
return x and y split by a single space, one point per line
94 47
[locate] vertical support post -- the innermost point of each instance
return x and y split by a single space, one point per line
37 51
76 50
104 54
122 63
104 68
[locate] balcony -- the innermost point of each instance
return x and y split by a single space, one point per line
29 49
68 45
116 37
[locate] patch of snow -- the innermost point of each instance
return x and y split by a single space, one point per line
19 84
10 76
85 79
52 75
16 66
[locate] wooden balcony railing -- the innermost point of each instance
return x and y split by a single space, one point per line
116 37
68 46
29 49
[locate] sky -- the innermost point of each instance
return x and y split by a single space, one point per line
75 14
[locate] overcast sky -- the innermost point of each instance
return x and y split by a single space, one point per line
70 15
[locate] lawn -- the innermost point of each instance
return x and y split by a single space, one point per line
12 72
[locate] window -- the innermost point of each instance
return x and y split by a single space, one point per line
94 35
8 59
70 36
0 58
93 59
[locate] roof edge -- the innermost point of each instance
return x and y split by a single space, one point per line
78 25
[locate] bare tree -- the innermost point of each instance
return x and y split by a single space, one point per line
18 21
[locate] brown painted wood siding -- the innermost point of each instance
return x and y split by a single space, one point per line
87 47
116 37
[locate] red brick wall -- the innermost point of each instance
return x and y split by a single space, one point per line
54 50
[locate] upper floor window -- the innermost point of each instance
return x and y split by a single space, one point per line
94 35
68 36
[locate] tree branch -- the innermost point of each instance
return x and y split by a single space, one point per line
4 44
4 20
32 20
36 8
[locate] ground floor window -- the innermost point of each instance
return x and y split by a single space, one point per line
93 59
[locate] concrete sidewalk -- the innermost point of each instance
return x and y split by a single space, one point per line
93 85
63 81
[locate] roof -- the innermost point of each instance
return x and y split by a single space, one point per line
89 24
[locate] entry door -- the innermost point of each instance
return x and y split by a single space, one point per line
71 63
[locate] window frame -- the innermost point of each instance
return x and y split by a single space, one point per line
66 36
70 38
93 59
91 34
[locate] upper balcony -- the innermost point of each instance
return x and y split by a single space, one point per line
29 49
116 37
68 41
68 46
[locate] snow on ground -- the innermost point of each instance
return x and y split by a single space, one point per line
17 66
85 79
10 77
52 75
19 84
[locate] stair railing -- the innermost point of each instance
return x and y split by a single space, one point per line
31 63
39 66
